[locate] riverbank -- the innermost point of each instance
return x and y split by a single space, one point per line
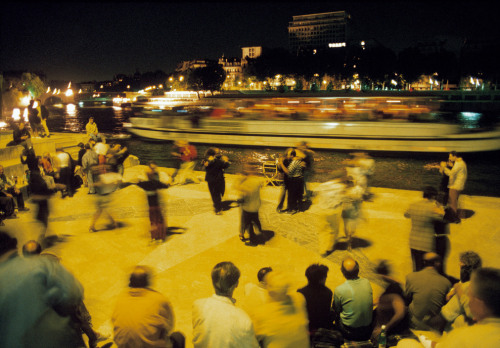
199 239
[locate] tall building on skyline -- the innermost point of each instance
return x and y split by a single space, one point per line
319 31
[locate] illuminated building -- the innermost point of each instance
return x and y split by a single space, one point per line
320 31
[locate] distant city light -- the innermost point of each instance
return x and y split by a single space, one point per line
69 92
336 44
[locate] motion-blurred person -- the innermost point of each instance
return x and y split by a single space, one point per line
116 155
456 312
353 303
256 294
249 187
144 317
81 316
44 115
217 322
425 292
351 208
187 154
89 159
106 182
40 195
283 162
295 172
423 214
308 169
64 171
158 223
318 298
215 164
34 118
391 309
47 164
282 322
330 196
37 298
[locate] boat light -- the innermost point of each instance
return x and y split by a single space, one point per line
331 125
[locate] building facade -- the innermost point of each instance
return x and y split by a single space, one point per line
319 31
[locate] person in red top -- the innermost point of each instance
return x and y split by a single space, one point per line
187 154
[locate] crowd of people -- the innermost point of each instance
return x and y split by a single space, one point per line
272 314
42 305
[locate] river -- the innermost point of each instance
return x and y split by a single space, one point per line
393 170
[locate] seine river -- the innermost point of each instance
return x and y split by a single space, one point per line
400 171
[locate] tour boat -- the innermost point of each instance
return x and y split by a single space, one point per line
348 123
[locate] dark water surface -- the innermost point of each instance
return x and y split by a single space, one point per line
392 170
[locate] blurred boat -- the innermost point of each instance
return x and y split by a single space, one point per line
343 124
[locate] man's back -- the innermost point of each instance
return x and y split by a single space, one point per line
32 289
142 318
353 301
318 304
218 323
426 293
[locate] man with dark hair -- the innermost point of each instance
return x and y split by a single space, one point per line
21 136
216 321
353 303
256 294
215 164
456 312
456 184
423 214
318 298
142 316
425 292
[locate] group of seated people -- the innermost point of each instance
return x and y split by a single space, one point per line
271 313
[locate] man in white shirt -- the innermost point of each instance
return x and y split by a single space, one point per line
458 177
217 322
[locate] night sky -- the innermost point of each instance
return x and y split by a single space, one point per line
94 41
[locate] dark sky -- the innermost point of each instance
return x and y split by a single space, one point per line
94 41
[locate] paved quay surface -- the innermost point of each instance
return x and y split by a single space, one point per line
103 260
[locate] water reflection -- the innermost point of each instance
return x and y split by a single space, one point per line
393 170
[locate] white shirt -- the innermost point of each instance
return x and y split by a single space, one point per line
457 174
218 323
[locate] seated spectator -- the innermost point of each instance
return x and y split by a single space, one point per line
92 131
456 312
425 292
46 162
282 322
81 316
37 298
353 303
485 308
21 136
256 294
9 189
391 310
318 298
143 317
216 320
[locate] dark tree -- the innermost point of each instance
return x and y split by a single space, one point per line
208 78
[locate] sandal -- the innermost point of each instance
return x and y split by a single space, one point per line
242 238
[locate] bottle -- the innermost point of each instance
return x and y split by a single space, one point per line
382 338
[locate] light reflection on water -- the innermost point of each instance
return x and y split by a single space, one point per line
400 171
